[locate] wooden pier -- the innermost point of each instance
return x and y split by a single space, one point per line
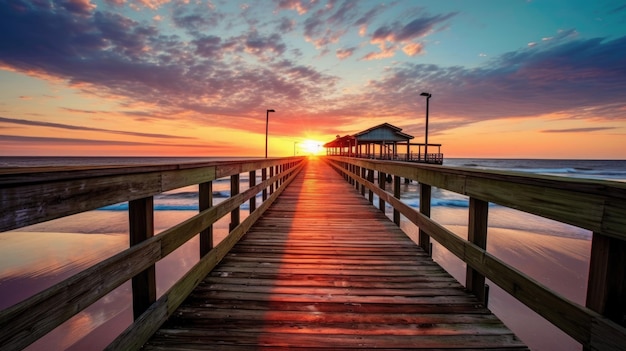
324 269
315 263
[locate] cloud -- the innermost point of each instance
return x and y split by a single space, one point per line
286 25
79 7
577 130
123 147
72 127
219 69
300 6
585 78
69 141
151 4
417 28
412 49
258 44
389 37
343 54
202 77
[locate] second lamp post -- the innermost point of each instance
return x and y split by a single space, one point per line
428 96
267 122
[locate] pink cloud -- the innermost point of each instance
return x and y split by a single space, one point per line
302 7
413 49
343 54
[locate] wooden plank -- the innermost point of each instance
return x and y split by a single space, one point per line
320 271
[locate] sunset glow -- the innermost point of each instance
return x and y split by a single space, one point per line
510 79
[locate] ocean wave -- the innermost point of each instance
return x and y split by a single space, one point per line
164 207
190 195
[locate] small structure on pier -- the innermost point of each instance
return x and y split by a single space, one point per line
383 142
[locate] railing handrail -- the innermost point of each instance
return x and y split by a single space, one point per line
591 204
28 320
26 191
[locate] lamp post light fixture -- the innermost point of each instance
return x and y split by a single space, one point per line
428 96
267 122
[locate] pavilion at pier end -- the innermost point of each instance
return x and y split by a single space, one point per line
384 142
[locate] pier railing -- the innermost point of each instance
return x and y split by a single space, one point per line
29 196
599 206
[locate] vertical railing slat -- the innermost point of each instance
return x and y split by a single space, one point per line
425 195
477 234
370 178
205 202
381 184
396 194
606 285
252 183
234 190
263 178
141 228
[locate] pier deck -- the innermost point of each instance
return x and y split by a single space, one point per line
323 268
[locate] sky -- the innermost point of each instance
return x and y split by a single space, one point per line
508 78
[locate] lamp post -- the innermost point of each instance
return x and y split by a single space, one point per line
428 96
267 122
294 148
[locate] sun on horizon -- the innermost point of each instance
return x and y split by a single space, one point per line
312 147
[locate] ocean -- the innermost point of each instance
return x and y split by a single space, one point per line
36 257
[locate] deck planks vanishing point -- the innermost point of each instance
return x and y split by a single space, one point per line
324 269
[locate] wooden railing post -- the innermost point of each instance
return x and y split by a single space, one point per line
263 178
606 286
396 194
234 190
272 184
477 234
205 202
425 194
363 171
252 183
382 179
370 178
141 228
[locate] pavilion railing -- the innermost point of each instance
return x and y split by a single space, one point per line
29 196
599 206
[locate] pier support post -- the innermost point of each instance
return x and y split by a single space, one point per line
363 171
606 289
252 183
425 194
477 234
234 190
141 228
205 202
272 184
370 178
263 178
396 194
382 180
